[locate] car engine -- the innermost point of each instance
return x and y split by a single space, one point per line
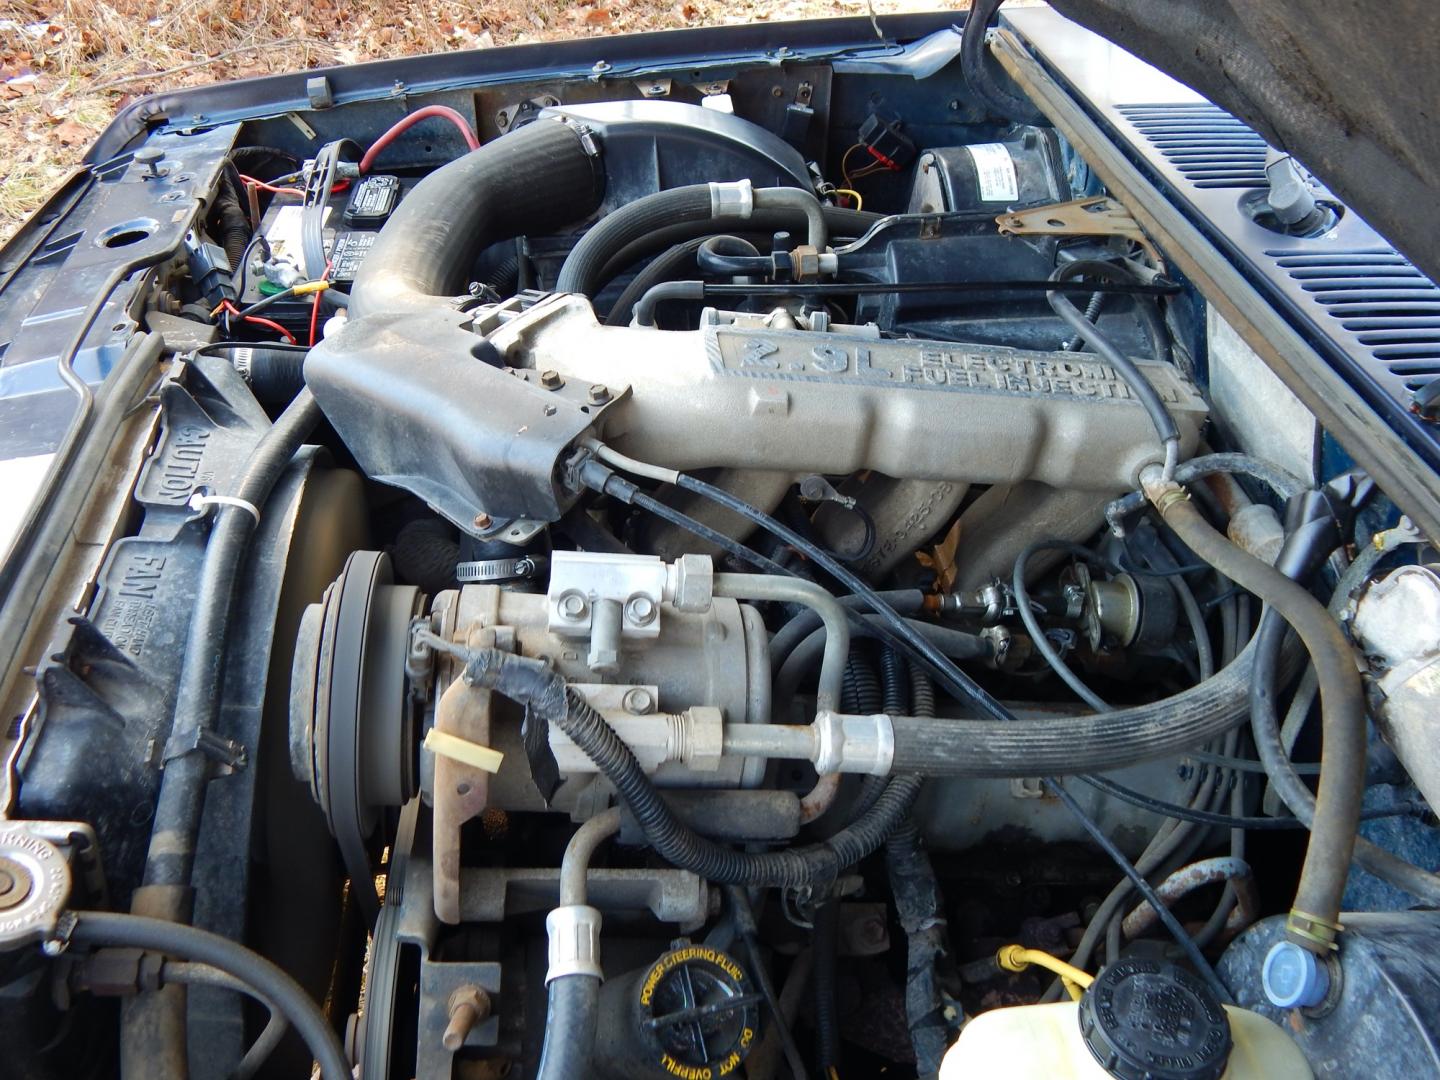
636 579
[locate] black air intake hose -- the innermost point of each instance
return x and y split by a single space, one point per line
274 373
532 683
535 180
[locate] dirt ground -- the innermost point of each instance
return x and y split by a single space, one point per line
66 66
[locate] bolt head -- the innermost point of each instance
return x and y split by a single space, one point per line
640 610
599 394
638 701
483 521
572 606
551 380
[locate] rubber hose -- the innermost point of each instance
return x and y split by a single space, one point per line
1064 746
197 704
666 266
975 61
1342 770
838 222
1144 308
267 981
1265 727
729 256
826 949
953 643
531 683
582 269
803 624
573 1005
425 554
534 180
1141 387
1272 476
275 374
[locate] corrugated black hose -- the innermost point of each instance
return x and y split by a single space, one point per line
918 903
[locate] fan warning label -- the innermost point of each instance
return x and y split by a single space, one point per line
926 365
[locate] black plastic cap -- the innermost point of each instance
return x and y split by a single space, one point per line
697 1012
1150 1020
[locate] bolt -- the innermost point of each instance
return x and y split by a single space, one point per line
640 610
600 67
638 701
776 91
150 157
599 394
571 606
871 931
551 380
468 1006
483 521
14 884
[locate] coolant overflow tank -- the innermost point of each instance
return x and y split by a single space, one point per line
1140 1019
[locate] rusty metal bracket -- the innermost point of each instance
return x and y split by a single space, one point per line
1096 216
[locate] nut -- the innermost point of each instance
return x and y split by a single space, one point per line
468 1006
551 380
599 394
572 606
483 521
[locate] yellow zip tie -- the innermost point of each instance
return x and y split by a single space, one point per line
463 750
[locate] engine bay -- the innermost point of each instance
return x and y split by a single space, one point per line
730 577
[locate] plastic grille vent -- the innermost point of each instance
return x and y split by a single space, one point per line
1205 144
1389 307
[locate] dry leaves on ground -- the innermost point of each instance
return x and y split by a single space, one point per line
66 66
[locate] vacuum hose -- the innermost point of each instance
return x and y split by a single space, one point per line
1314 919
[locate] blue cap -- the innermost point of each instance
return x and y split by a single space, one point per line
1294 978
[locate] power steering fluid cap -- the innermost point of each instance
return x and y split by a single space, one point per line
698 1013
1151 1020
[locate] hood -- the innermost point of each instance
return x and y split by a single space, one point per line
1352 89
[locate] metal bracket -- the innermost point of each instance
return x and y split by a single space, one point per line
1099 216
227 753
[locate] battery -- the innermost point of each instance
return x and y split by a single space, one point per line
352 220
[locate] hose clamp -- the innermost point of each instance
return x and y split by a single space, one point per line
574 942
733 199
1309 930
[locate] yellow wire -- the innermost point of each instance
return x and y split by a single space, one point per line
832 1073
859 202
845 162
